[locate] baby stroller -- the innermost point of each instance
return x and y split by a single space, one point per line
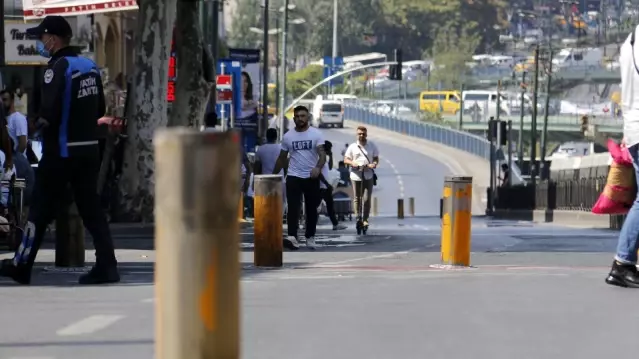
343 199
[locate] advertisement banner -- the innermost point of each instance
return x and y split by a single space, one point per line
250 64
37 9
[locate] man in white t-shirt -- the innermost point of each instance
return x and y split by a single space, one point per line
305 146
267 155
624 271
363 157
17 125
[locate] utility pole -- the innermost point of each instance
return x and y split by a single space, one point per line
533 124
213 10
521 121
334 55
284 68
263 124
544 133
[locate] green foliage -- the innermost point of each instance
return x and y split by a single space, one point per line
247 15
299 82
453 47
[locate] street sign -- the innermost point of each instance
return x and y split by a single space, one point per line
224 87
331 67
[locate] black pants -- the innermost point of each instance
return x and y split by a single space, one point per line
296 188
53 177
327 196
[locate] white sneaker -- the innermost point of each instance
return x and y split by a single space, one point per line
310 243
339 227
291 243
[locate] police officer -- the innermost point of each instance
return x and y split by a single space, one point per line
72 102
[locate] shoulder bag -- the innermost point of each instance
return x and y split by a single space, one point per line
369 161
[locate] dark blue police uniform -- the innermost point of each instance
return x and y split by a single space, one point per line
72 102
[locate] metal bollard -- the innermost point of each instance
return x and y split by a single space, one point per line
240 209
411 206
196 241
69 236
267 226
375 208
400 208
456 221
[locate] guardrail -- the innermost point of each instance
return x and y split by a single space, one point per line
460 140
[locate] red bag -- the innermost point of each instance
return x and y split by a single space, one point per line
620 191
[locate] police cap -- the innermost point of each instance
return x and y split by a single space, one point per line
52 25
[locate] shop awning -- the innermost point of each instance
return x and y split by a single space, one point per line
37 9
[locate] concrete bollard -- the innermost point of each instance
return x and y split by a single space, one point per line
411 206
267 226
69 236
375 208
456 221
196 242
400 208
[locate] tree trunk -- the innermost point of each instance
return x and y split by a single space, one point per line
148 109
195 79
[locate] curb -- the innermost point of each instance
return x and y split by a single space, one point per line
581 219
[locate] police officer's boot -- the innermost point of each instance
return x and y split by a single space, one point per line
623 275
20 274
100 274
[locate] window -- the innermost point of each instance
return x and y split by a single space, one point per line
434 97
332 107
578 57
453 98
476 97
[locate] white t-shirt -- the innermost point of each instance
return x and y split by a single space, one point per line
359 158
302 148
267 155
630 90
17 126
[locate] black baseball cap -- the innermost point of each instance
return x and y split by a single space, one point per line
52 25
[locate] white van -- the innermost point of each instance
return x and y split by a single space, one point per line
570 57
328 113
484 102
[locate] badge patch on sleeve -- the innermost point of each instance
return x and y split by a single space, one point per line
48 76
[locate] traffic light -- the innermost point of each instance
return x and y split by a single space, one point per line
584 124
395 72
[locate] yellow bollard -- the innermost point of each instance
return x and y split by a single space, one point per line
375 210
196 242
411 206
456 221
400 208
240 209
267 226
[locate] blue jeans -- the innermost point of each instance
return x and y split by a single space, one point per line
629 236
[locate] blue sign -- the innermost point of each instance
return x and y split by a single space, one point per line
332 67
246 56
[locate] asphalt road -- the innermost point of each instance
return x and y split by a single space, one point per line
403 173
534 291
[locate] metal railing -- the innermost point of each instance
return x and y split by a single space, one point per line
460 140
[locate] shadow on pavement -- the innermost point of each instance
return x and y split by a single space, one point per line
76 343
131 273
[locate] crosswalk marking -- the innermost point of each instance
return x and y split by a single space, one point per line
89 325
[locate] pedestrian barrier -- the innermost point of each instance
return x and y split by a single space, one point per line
267 225
197 270
456 217
460 140
400 208
411 206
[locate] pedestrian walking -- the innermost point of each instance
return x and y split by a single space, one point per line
326 190
305 146
624 271
363 157
72 101
266 157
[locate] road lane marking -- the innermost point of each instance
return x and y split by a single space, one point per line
89 325
378 256
148 300
400 182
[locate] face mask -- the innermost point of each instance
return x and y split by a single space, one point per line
42 50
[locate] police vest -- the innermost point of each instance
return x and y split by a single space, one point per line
78 123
